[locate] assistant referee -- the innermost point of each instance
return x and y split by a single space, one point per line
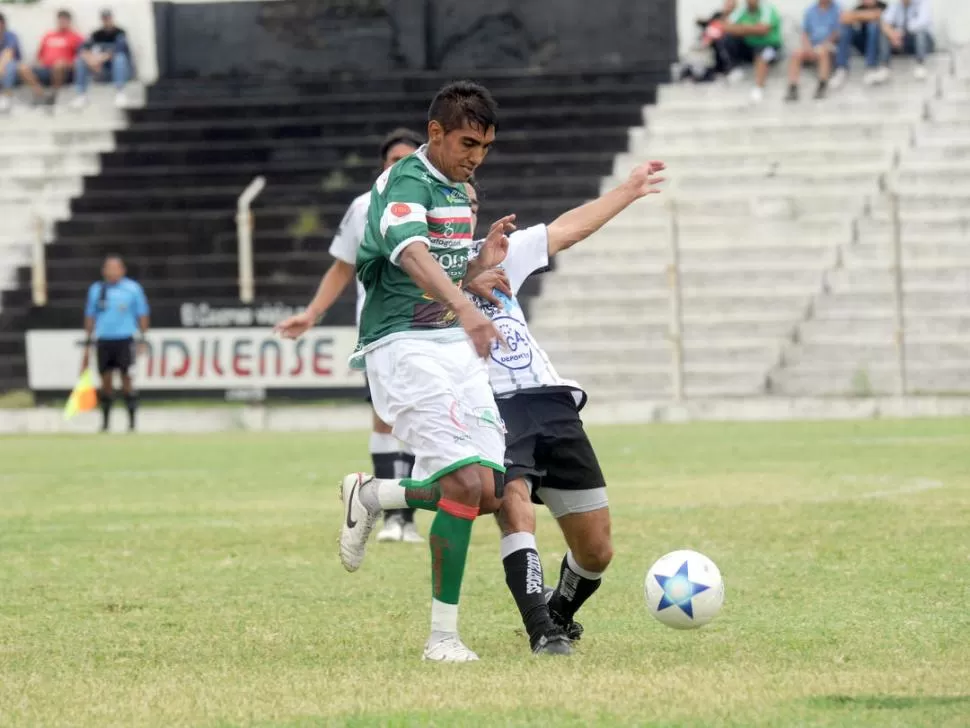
116 314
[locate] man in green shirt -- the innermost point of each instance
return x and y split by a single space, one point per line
423 344
754 36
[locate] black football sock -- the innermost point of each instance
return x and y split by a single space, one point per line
131 402
403 465
523 574
576 585
106 400
383 454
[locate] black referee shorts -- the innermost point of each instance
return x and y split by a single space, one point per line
115 355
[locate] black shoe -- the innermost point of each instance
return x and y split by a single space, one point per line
821 90
572 628
553 643
792 94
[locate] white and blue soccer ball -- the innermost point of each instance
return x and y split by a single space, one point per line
684 590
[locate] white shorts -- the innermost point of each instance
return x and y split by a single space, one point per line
436 397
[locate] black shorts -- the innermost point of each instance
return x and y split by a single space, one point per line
367 397
546 443
115 354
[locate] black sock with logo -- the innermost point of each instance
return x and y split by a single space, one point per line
576 585
523 574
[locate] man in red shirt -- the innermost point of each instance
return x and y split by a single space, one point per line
55 59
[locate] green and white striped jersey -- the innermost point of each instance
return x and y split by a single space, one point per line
410 202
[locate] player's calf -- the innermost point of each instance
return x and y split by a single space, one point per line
523 570
581 573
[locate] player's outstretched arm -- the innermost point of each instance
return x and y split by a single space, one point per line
416 260
334 282
581 222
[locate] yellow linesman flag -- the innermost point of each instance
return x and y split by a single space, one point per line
83 398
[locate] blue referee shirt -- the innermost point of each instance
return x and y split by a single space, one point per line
116 309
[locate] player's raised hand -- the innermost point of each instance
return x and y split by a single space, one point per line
645 178
295 326
480 329
496 245
485 284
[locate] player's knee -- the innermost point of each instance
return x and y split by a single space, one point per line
517 514
466 485
596 555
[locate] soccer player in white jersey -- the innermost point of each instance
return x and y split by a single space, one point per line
548 457
391 457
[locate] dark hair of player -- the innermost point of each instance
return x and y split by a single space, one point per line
464 102
400 136
63 14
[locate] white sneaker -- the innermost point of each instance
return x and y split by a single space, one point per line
736 76
393 530
6 103
919 73
79 102
877 76
358 521
447 649
838 78
409 533
121 101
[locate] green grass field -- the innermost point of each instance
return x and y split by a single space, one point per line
174 581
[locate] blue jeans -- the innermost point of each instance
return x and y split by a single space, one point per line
919 44
865 38
9 78
117 70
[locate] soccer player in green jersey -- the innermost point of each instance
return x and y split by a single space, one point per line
423 344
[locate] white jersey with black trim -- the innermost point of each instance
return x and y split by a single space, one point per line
523 366
349 236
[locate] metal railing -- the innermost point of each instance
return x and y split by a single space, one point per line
244 236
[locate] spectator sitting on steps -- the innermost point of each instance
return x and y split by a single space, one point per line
754 35
105 57
55 60
907 30
862 29
9 60
820 34
708 56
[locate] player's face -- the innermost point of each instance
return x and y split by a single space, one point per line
396 153
63 22
113 270
473 203
460 151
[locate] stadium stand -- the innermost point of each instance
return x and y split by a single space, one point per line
781 212
165 196
43 161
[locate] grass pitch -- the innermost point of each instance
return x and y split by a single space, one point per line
193 581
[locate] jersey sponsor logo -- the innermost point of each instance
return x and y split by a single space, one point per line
490 418
400 209
517 353
432 315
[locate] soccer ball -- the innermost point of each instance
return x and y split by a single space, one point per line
684 590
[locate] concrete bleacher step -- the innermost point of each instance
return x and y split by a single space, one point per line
839 305
738 108
644 382
881 325
643 140
923 352
916 276
688 159
866 381
604 253
658 353
763 330
571 279
616 304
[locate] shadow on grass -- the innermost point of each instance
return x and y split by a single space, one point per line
888 702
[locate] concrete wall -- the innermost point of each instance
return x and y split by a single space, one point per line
30 22
375 36
952 17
